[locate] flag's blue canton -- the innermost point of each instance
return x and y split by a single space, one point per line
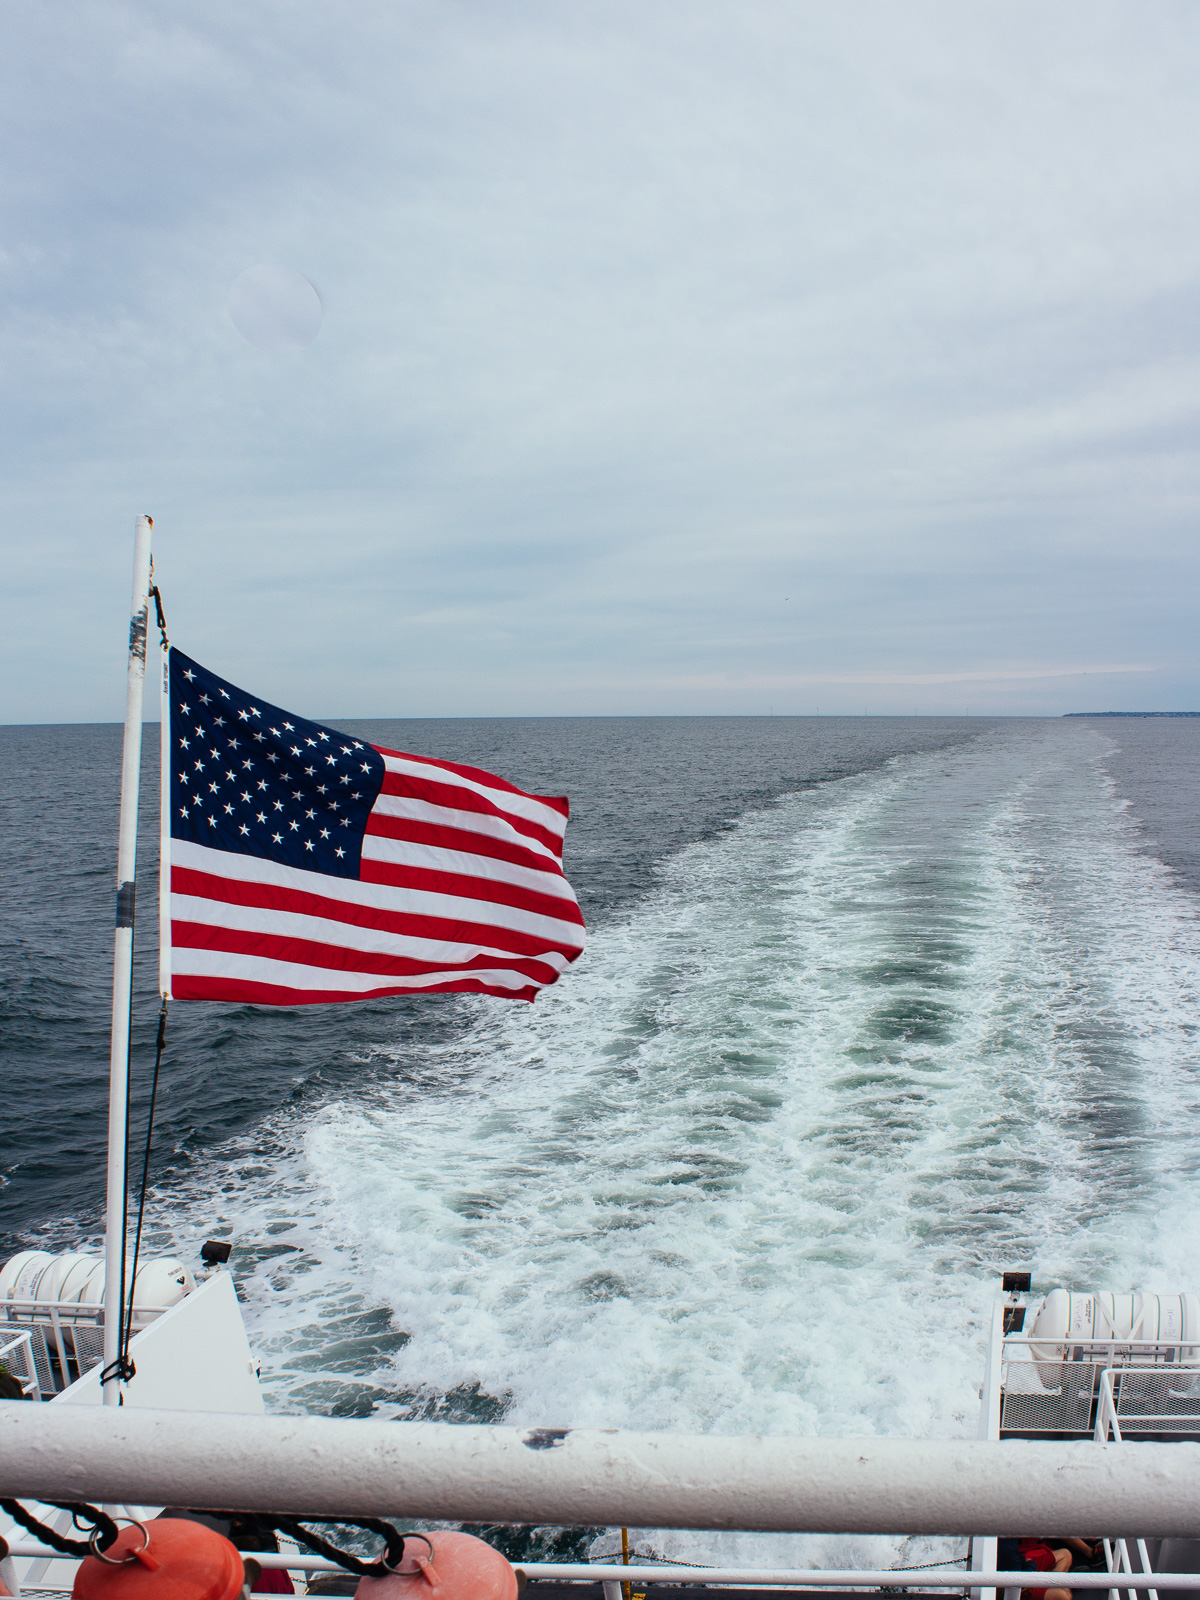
250 778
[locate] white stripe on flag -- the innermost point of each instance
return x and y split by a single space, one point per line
380 896
400 852
427 811
517 805
190 963
340 935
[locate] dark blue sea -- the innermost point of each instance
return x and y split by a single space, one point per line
871 1009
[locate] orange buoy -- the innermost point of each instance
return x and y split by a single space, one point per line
455 1566
167 1559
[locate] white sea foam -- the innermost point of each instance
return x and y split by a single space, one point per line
755 1164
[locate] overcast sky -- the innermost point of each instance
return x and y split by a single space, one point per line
675 356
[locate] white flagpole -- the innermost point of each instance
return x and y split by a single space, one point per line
118 1077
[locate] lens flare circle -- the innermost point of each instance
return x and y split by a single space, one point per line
275 308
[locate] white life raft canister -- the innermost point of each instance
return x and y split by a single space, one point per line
73 1280
1067 1318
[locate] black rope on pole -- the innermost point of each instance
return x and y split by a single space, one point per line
106 1532
122 1369
127 1328
158 608
386 1564
100 1521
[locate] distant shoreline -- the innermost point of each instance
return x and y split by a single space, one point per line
1131 713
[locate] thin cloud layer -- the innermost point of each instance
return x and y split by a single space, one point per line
717 360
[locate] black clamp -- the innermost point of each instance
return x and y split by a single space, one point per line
119 1371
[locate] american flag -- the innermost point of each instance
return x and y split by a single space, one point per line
306 866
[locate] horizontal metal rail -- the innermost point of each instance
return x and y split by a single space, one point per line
451 1473
1043 1339
1157 1421
668 1572
63 1309
847 1578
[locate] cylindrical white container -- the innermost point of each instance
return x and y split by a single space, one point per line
75 1280
1129 1324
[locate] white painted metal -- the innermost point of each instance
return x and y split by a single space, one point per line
848 1577
1117 1551
1144 1566
16 1351
664 1572
1107 1425
118 1075
76 1315
1139 1351
989 1395
1066 1319
328 1465
73 1280
71 1337
193 1358
983 1549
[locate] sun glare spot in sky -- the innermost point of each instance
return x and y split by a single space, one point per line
275 308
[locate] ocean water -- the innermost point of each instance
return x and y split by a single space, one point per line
871 1010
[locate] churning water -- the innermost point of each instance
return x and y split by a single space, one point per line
755 1164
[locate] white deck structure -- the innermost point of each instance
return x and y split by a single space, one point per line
193 1357
1105 1442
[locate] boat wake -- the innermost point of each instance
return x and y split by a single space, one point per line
756 1164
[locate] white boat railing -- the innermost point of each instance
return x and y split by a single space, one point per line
65 1339
1036 1387
565 1477
1152 1386
643 1572
1117 1555
1161 1400
16 1351
810 1578
68 1312
1113 1348
1107 1424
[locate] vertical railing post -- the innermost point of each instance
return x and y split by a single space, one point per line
983 1550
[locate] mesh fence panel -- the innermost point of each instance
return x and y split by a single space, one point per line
1159 1401
89 1347
1048 1396
30 1360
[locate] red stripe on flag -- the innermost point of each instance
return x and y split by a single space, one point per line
458 888
458 884
416 925
309 953
446 838
489 780
244 992
456 798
